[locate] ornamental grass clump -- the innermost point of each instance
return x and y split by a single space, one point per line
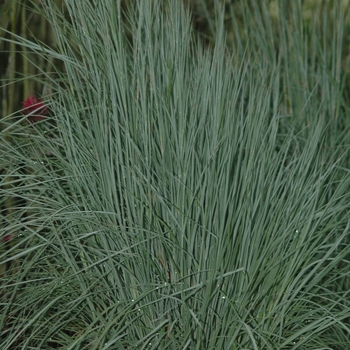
189 194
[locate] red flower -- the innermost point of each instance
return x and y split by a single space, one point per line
35 109
6 238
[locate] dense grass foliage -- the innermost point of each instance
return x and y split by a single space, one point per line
182 194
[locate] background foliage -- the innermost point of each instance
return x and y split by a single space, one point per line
190 189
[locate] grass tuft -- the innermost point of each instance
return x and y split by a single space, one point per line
181 196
